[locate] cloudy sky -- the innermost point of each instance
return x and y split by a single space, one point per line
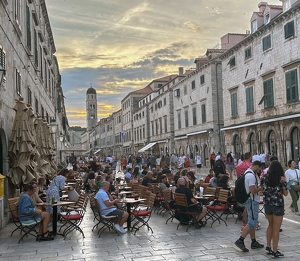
119 46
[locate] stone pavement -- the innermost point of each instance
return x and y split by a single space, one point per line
166 243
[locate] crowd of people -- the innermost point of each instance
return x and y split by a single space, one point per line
262 175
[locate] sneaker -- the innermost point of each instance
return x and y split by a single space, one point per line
277 254
240 244
256 245
117 227
297 213
269 250
123 231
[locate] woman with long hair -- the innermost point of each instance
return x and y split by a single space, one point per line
230 164
274 188
135 175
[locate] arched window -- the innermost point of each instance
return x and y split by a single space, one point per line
252 142
237 147
295 143
272 145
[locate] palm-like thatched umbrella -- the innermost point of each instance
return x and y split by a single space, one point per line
21 149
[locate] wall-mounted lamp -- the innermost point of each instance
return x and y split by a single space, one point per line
53 126
2 74
61 137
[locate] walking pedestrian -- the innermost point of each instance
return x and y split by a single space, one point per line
292 176
274 187
252 205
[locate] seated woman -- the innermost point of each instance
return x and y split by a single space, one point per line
192 180
223 183
27 211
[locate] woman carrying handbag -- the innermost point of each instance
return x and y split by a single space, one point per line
292 176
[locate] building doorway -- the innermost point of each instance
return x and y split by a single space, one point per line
295 143
272 145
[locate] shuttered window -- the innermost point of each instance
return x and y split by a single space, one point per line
289 30
203 113
291 83
28 27
249 99
233 98
266 42
268 93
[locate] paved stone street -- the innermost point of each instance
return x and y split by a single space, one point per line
166 243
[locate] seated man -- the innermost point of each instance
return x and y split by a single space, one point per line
209 176
163 182
108 209
182 188
27 211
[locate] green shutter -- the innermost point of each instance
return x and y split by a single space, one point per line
203 110
28 26
36 57
291 81
289 29
234 111
268 93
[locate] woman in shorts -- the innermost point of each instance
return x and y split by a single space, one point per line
274 188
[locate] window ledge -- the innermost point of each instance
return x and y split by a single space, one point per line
290 38
268 50
250 113
249 60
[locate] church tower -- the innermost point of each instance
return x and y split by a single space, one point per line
91 108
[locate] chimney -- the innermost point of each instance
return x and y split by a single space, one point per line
262 6
180 70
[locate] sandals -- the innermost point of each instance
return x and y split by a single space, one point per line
42 237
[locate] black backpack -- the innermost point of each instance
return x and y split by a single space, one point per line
240 192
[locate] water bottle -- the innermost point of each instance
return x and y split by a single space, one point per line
53 200
201 191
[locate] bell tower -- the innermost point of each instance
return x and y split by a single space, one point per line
91 108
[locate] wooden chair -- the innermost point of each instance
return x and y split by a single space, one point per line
142 213
220 205
13 209
107 222
74 216
167 199
183 210
210 190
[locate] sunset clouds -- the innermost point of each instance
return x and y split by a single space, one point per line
119 46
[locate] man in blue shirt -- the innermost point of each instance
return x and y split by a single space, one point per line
107 206
27 211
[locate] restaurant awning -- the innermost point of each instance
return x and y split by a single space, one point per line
97 151
148 146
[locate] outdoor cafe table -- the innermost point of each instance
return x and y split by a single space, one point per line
129 202
54 215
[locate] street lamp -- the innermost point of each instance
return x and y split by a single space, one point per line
53 126
61 139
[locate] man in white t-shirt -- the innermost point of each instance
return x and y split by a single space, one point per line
107 207
198 162
252 204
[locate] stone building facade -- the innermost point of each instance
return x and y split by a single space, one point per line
27 54
261 87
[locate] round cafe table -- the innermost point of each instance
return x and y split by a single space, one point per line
54 216
129 202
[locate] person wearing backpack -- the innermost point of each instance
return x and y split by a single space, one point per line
252 204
